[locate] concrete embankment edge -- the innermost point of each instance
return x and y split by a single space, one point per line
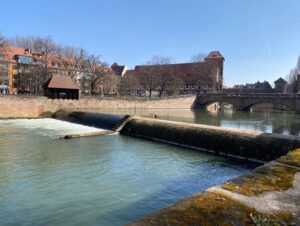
270 195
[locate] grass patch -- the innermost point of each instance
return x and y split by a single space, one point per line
292 158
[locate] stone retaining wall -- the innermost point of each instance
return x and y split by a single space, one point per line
32 107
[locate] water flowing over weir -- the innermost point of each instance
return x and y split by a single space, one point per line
97 120
249 145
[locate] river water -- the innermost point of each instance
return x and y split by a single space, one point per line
270 122
104 180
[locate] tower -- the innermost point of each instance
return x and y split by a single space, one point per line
215 60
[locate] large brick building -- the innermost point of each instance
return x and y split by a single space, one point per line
206 76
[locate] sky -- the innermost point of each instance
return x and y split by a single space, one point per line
260 39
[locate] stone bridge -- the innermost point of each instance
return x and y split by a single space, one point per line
244 102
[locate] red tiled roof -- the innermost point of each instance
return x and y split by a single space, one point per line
118 69
10 51
61 82
130 73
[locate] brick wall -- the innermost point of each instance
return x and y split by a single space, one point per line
30 107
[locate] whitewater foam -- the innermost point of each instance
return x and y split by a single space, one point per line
48 127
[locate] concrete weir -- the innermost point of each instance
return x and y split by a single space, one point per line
251 145
97 120
269 195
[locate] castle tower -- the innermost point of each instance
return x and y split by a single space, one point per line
216 60
280 85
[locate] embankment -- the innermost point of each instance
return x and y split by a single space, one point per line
270 195
33 107
250 145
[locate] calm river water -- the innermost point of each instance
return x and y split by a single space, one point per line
107 180
271 122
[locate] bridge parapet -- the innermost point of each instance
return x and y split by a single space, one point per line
244 101
292 95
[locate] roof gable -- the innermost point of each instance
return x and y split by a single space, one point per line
61 82
280 80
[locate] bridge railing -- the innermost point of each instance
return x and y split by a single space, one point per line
272 95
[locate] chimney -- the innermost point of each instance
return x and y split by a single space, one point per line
28 51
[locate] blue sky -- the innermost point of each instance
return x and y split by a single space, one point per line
260 39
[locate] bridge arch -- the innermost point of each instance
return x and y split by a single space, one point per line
267 105
220 102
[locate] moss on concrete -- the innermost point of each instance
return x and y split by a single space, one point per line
273 177
212 209
61 114
216 207
292 158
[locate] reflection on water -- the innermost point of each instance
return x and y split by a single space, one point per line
270 122
107 180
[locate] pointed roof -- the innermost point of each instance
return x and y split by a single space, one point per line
280 80
215 54
61 82
118 69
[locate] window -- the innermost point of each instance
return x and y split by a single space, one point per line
24 59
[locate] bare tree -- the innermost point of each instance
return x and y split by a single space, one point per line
202 76
96 70
71 60
128 85
149 79
164 73
46 50
3 41
111 83
198 57
292 78
159 75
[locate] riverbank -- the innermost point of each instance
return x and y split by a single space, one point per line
35 107
270 195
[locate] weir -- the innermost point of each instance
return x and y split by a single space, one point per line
97 120
242 144
271 193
